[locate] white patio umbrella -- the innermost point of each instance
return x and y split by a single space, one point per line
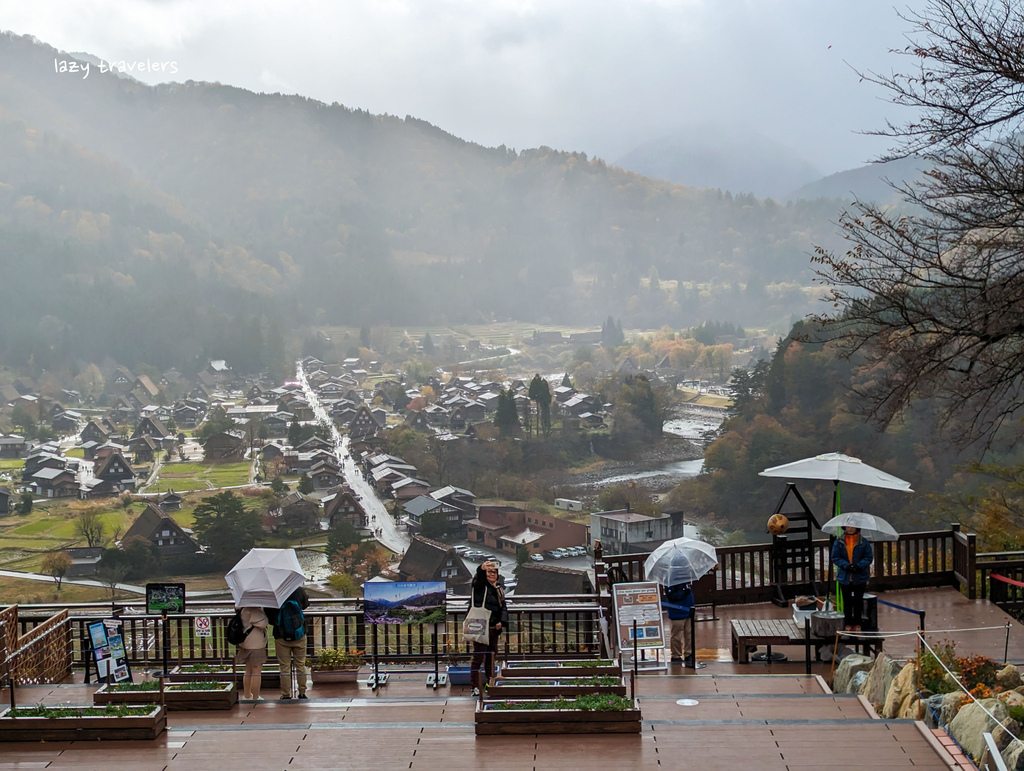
264 578
837 467
871 527
680 561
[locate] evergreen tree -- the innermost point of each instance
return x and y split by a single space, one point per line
507 417
226 527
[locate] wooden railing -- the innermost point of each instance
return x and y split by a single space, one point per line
43 654
744 575
564 625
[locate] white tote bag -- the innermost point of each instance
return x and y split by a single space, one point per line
476 627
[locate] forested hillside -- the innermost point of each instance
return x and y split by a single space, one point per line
138 220
800 405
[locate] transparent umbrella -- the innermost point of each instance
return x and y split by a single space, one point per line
871 527
264 578
680 561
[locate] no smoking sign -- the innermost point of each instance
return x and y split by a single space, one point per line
203 627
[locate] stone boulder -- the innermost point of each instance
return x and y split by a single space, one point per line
848 667
1008 677
912 709
971 723
1012 698
1013 757
879 679
950 706
858 681
932 710
902 691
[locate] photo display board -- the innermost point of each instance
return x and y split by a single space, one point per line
165 598
640 602
405 602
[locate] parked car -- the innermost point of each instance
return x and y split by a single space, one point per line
537 557
462 551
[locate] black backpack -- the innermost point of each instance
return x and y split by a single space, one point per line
236 631
291 622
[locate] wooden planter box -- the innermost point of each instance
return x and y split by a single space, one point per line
335 675
176 700
510 689
556 670
271 675
549 721
70 729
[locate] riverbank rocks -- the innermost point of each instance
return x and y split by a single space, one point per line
847 668
971 722
1013 757
902 691
876 686
1012 698
1008 677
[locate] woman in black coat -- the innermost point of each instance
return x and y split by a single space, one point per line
487 593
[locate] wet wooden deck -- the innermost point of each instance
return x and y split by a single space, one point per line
751 716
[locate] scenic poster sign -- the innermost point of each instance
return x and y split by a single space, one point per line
165 598
404 602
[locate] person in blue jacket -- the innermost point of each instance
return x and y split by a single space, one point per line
679 604
852 555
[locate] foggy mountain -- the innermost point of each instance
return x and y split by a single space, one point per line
152 222
726 158
865 183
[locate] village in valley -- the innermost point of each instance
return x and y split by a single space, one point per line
104 499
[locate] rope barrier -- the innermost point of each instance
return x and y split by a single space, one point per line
873 635
1006 580
898 607
971 695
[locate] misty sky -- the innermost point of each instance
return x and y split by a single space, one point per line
592 75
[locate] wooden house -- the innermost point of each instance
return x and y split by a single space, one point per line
294 513
429 560
227 445
343 504
164 533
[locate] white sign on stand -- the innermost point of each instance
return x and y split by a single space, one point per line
203 627
639 602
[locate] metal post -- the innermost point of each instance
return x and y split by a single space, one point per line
920 614
1006 645
692 660
635 648
376 661
166 640
436 657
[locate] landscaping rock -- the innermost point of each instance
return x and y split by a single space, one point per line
933 709
848 667
858 681
879 679
950 706
1012 698
971 723
1013 757
911 709
902 690
1008 677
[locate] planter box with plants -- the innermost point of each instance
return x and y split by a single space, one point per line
536 688
559 670
591 714
67 724
195 694
191 672
333 665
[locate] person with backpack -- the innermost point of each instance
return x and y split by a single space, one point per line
487 593
679 604
290 640
252 649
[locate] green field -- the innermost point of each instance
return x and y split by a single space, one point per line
182 477
11 464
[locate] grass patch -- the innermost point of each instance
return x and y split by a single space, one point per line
26 591
75 452
34 528
12 464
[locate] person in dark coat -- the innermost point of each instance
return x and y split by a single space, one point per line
679 604
487 593
852 555
290 652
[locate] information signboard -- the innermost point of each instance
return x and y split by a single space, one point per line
165 598
639 602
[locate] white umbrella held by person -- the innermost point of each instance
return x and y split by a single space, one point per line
264 578
680 561
871 527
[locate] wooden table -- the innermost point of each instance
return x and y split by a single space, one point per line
749 633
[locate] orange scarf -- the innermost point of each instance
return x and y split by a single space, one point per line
851 542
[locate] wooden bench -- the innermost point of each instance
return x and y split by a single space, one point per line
749 633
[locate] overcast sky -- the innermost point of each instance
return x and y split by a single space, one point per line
601 76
